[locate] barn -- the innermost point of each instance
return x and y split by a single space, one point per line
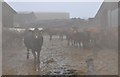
107 15
7 15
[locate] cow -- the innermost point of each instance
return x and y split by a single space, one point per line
33 40
82 39
78 38
95 36
70 37
27 40
55 31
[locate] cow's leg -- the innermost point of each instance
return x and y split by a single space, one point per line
68 43
61 37
27 53
82 44
50 37
86 41
72 42
38 55
34 54
38 61
85 44
91 43
69 40
79 43
76 43
94 44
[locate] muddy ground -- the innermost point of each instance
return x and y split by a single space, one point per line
57 59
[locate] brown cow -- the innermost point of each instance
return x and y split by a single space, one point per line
94 36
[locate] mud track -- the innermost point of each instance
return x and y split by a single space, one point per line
57 59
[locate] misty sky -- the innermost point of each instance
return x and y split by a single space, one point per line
76 9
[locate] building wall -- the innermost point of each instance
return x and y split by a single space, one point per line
25 19
22 19
7 15
52 15
107 15
114 18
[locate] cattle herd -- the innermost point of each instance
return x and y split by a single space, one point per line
88 38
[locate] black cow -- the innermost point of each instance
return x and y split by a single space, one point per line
78 38
34 40
82 39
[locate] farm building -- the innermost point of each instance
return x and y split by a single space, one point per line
7 15
107 15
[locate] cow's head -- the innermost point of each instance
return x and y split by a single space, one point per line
36 33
